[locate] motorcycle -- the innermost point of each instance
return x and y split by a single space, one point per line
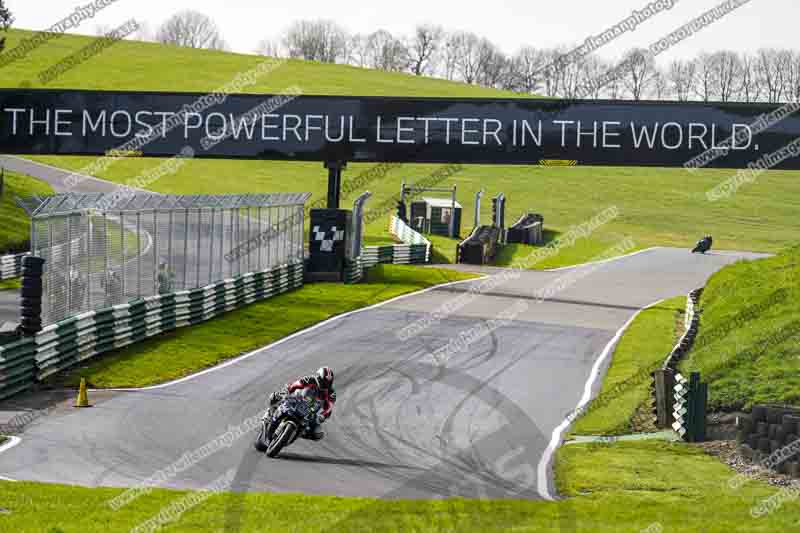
284 424
703 245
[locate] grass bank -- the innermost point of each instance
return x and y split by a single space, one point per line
642 349
187 350
15 225
748 345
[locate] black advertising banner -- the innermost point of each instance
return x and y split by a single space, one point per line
431 130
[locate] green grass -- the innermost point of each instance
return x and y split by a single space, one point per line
609 488
132 65
15 225
10 284
748 346
643 348
657 206
187 350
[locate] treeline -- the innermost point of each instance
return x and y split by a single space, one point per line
767 75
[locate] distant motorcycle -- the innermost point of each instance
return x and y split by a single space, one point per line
703 245
284 424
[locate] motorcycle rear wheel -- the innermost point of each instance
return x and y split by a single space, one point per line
283 436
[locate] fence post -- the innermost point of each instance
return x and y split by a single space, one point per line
664 392
696 416
478 196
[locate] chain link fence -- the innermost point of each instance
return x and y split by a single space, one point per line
99 252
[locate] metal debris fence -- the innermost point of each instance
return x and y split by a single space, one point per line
107 249
84 336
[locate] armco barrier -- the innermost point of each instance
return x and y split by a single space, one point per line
398 254
11 266
81 337
17 366
353 270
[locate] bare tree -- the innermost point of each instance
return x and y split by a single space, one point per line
526 70
423 47
571 78
681 76
750 86
6 19
191 29
638 69
269 47
385 52
451 52
790 65
553 73
615 88
770 75
594 67
493 68
467 55
316 40
704 77
660 85
726 75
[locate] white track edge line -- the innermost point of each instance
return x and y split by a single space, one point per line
288 338
12 441
558 433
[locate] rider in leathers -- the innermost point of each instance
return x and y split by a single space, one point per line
320 386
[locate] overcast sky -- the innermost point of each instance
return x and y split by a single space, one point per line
509 23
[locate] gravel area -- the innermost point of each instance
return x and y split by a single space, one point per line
727 451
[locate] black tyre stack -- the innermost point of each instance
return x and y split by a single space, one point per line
31 304
769 429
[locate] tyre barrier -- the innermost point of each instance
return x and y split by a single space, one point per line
11 265
480 248
415 250
31 295
527 230
668 388
770 435
61 345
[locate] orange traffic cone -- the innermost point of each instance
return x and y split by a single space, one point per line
83 397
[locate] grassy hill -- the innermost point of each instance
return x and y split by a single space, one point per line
14 222
748 348
657 206
135 65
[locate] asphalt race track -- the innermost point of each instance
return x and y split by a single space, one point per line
480 420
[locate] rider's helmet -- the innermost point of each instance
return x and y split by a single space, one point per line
325 377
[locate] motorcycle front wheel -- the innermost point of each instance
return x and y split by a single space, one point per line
283 436
261 441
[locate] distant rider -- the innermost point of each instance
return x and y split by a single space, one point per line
319 386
